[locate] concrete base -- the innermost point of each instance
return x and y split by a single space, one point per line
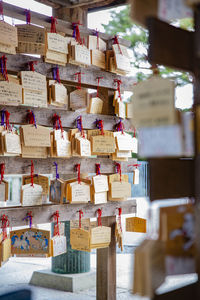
64 282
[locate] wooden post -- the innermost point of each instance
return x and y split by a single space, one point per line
106 266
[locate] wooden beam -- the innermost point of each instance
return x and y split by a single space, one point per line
19 165
171 178
42 214
170 46
16 63
106 265
44 117
183 293
45 21
75 15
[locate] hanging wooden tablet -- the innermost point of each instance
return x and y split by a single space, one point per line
10 93
57 48
5 250
31 195
102 144
121 58
100 237
41 180
78 192
83 146
35 136
31 39
129 110
78 99
80 55
98 198
100 183
136 224
120 109
96 43
136 176
120 189
59 95
55 193
30 241
12 143
8 38
125 142
80 239
98 59
34 152
58 245
153 102
95 105
34 88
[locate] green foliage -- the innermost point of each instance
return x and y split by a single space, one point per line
122 25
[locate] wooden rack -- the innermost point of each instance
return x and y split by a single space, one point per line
106 258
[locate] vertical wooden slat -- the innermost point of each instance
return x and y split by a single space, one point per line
106 266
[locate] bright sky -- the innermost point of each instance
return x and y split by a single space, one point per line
95 20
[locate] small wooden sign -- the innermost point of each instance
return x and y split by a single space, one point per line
33 81
120 189
80 239
125 142
41 180
34 98
5 250
36 136
95 106
83 146
119 235
78 99
8 34
30 241
78 192
95 43
99 198
136 176
31 195
55 193
34 152
31 39
102 144
100 183
10 93
153 103
135 224
53 57
98 59
100 237
57 42
58 245
59 94
12 143
81 55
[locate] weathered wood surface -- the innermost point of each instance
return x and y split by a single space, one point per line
42 214
16 63
178 53
18 165
44 117
171 178
106 266
45 21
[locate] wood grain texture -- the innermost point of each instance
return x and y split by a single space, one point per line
16 63
18 165
171 178
106 265
45 21
178 53
42 214
44 117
